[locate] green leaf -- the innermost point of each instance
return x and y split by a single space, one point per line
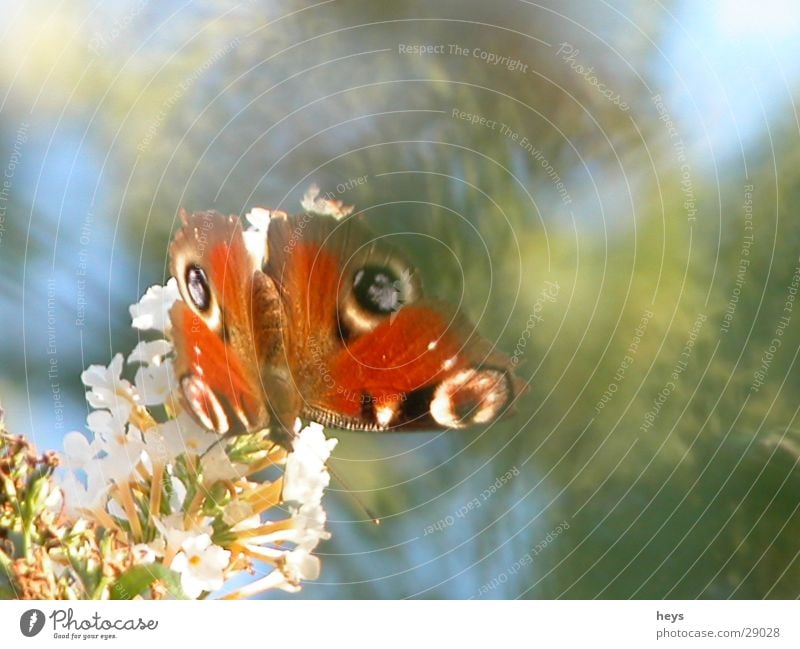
136 580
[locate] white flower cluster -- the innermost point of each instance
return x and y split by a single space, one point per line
325 205
153 473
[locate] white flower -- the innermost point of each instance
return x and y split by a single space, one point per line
184 435
81 455
306 476
155 445
155 383
301 565
104 424
118 468
308 528
122 452
108 389
313 202
79 497
297 565
155 379
218 466
78 451
118 446
150 352
166 441
152 311
201 565
255 237
174 533
256 243
310 525
259 217
143 554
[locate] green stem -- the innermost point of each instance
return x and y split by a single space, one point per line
6 579
101 587
27 545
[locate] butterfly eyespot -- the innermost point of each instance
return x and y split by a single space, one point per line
197 286
471 396
377 291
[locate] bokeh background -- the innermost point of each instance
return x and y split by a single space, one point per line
624 221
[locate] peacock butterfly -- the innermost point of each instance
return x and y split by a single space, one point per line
321 321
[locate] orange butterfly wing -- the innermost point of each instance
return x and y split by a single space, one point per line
419 366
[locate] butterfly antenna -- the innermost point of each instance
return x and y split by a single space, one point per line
354 496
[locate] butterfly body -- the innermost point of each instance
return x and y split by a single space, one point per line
325 322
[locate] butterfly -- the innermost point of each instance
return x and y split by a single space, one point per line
321 320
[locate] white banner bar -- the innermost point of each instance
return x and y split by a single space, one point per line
408 624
